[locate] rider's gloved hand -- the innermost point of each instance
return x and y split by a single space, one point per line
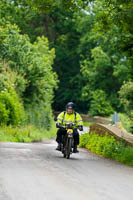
80 127
58 125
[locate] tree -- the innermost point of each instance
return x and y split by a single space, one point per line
99 105
101 73
11 106
110 14
33 64
56 20
90 38
49 5
32 61
126 97
18 12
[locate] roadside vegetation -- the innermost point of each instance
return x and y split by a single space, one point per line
87 123
27 82
127 122
108 147
53 52
26 134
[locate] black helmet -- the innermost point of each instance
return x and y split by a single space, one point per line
70 105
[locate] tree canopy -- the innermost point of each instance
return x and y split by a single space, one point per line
87 44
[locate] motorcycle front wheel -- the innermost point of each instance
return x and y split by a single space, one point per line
68 147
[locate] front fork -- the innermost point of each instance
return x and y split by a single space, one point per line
64 140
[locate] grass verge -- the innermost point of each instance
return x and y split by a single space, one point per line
126 122
87 123
108 147
25 134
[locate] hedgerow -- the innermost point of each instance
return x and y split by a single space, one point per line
108 147
26 134
11 109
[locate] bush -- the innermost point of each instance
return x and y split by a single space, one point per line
101 145
84 139
40 116
99 104
107 146
25 134
126 122
4 114
126 96
125 156
11 110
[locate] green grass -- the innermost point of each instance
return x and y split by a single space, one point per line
126 121
25 134
108 147
87 123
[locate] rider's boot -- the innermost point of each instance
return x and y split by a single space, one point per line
75 149
58 147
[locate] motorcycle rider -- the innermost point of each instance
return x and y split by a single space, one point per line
69 116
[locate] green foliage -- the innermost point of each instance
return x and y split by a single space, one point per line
126 156
25 134
87 123
40 116
3 82
11 110
132 122
126 96
20 13
108 147
99 105
25 71
30 67
48 5
10 79
101 72
31 61
126 122
67 59
84 139
118 14
4 114
104 146
93 47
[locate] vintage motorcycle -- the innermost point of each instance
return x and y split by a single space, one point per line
68 140
67 145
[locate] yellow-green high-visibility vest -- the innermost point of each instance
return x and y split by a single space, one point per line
64 118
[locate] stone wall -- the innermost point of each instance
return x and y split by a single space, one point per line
114 131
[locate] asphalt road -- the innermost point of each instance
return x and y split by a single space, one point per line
85 130
38 172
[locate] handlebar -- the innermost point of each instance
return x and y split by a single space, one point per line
69 126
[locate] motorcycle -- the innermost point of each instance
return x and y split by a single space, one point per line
68 141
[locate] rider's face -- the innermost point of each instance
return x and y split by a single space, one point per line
69 111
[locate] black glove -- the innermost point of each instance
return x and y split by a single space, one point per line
80 128
58 125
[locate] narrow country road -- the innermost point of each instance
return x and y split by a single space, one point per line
85 130
37 172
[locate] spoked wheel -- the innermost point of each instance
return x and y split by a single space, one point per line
67 143
68 148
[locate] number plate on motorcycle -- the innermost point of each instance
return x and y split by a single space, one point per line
70 136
